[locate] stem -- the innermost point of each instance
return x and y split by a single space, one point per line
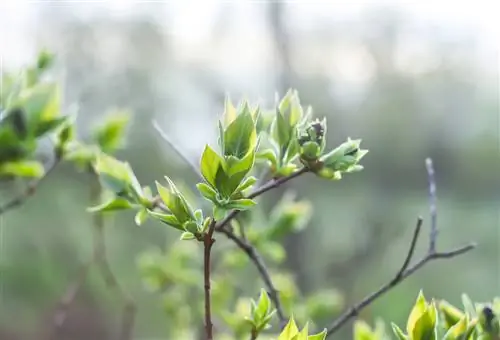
208 242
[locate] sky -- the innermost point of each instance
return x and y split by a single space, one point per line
192 26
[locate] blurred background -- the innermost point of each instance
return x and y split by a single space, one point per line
413 80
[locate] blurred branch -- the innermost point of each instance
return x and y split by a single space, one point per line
31 188
177 150
405 270
99 259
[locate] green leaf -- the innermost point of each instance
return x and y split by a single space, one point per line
41 103
246 184
319 336
303 334
282 132
185 236
116 203
175 202
219 213
240 136
22 169
459 329
141 216
110 135
48 126
469 306
168 219
239 167
229 111
398 332
268 155
263 307
211 162
241 204
418 309
116 175
289 331
207 192
451 314
362 331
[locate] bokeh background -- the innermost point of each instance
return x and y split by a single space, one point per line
412 80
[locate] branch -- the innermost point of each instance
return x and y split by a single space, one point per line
255 257
30 190
405 271
432 204
177 150
208 242
272 184
100 259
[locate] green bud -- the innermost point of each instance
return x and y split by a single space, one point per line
311 140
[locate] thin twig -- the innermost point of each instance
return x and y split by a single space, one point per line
99 258
61 312
177 150
432 204
208 242
30 190
273 183
405 271
255 257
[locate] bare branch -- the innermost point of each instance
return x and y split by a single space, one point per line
273 183
405 271
98 258
177 150
255 257
432 204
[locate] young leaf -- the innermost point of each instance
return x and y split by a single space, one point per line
319 336
207 192
171 220
219 213
289 331
468 306
141 216
116 203
457 330
398 332
240 136
247 183
241 204
211 162
362 331
263 306
229 112
22 169
110 135
187 236
175 202
303 334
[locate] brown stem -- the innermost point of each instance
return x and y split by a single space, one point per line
208 242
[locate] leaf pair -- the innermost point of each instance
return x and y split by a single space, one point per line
182 216
291 332
422 322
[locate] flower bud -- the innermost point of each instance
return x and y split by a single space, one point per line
311 140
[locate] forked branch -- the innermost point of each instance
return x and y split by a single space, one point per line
406 270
